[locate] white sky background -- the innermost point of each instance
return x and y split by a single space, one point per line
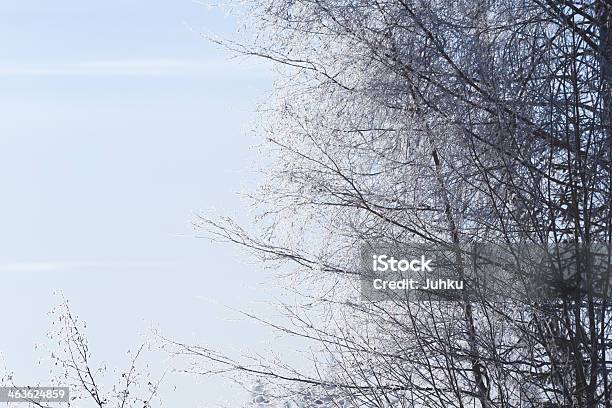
118 123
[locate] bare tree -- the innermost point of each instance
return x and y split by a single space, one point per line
89 380
442 122
135 387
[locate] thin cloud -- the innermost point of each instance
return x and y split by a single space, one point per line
136 67
57 266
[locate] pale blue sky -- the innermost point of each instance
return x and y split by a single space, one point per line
119 122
